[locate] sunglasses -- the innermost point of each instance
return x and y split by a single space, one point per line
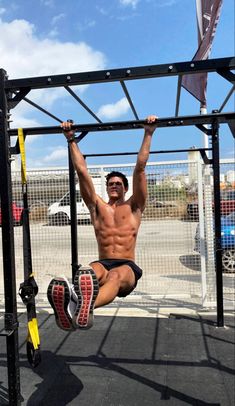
115 183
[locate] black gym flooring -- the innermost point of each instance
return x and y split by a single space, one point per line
128 361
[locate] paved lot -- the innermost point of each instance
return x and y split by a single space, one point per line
165 251
129 361
138 353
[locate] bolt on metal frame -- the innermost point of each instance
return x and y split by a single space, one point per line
13 91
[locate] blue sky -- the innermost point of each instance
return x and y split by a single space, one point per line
47 37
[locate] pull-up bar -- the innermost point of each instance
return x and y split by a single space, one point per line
197 120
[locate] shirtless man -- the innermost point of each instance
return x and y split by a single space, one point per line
116 225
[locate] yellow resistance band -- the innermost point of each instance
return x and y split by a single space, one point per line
22 153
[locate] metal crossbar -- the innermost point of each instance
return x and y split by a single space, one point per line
127 125
113 75
227 98
129 99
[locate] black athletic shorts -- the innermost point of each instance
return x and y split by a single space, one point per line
111 263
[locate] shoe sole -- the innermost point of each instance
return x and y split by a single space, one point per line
58 294
86 287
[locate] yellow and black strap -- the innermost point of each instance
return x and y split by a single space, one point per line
28 289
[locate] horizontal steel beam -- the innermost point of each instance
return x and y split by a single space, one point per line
127 125
129 73
167 151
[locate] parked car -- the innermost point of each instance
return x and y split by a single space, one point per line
227 205
17 209
227 242
59 212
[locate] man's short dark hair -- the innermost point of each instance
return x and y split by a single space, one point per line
119 175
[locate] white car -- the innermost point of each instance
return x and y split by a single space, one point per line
59 212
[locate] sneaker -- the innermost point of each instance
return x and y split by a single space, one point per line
86 287
63 301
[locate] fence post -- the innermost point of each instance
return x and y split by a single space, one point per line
217 224
202 243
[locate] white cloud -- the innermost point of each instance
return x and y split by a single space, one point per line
56 155
53 33
24 54
18 115
23 122
48 3
57 18
85 25
47 97
132 3
127 17
110 111
102 10
167 3
2 10
20 120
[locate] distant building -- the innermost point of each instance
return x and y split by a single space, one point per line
230 177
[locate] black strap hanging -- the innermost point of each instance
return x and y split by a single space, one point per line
28 289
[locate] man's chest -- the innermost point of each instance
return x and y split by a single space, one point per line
117 216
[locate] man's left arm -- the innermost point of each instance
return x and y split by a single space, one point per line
139 177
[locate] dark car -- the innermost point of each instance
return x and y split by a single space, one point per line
227 205
17 209
192 210
227 242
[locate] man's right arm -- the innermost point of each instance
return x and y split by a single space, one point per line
87 189
139 178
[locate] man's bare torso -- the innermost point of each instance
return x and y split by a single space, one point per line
116 229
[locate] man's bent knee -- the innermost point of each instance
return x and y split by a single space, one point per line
114 274
100 271
126 277
123 276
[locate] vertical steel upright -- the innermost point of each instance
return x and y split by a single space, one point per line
73 216
217 222
11 321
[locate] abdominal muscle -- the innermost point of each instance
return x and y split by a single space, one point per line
116 246
116 232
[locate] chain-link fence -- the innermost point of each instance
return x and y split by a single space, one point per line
175 245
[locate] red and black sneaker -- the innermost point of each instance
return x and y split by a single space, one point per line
86 287
63 301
